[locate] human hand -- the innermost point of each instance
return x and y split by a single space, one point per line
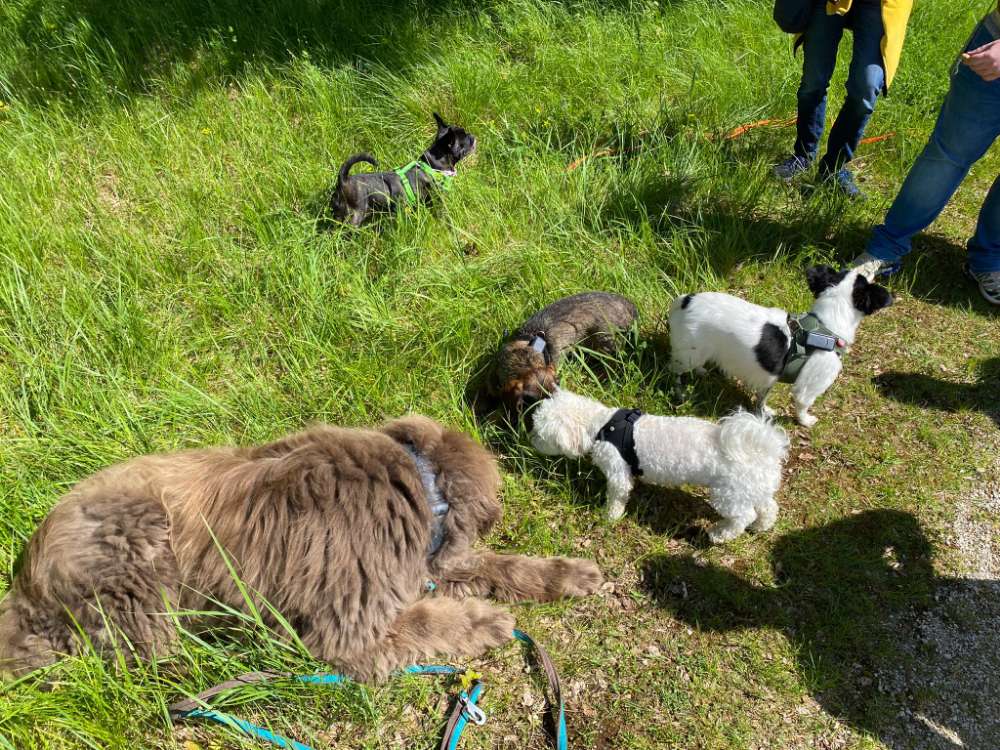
984 61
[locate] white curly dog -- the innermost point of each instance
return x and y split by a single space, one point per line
739 458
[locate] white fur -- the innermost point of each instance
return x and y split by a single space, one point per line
724 330
739 459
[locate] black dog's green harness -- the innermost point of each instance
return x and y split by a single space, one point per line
800 349
440 178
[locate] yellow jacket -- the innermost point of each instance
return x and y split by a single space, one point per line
895 14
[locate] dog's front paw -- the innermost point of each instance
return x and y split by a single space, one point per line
583 578
806 419
488 626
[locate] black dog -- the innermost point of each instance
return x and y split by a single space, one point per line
357 198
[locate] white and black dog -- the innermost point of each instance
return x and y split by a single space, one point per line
760 345
739 459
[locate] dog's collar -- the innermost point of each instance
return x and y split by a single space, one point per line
537 343
620 432
800 348
440 177
439 507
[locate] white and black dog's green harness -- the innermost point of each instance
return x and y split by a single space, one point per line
799 351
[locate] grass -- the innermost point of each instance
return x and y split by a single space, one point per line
166 282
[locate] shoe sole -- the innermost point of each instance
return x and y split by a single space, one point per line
982 292
888 270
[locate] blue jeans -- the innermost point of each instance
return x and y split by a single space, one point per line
864 82
968 124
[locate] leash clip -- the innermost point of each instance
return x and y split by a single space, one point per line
470 710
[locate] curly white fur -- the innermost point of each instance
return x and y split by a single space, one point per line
724 330
739 459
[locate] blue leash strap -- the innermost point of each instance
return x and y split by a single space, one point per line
465 709
245 727
552 675
466 704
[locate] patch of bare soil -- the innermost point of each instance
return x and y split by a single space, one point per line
947 694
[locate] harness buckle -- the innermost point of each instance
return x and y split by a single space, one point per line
470 710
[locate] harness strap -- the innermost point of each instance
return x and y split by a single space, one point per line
620 432
440 178
799 348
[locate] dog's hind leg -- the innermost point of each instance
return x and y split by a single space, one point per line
517 578
430 628
736 512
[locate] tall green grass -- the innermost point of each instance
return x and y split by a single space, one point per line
167 280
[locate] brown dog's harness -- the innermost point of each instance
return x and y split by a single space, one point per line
438 505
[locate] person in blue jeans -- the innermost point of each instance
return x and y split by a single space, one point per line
879 28
967 125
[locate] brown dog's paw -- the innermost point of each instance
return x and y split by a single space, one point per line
489 626
583 578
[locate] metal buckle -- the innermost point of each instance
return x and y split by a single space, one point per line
471 711
538 344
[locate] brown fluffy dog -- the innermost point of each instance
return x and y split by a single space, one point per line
526 365
334 527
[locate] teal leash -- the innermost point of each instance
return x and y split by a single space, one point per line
465 709
549 667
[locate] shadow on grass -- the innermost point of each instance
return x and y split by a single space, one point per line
72 51
934 393
850 596
726 230
933 272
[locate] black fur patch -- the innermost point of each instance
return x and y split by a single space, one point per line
868 297
771 349
686 301
821 278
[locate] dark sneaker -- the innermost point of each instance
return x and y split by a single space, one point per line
843 181
792 166
989 284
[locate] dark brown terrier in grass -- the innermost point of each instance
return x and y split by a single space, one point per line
358 198
340 530
526 364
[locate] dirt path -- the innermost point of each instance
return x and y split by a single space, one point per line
949 694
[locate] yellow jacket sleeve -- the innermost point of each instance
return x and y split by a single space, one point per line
895 16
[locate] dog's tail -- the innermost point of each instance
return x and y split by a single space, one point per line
747 438
345 169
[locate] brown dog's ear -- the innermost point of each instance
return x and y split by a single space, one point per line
442 125
821 278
